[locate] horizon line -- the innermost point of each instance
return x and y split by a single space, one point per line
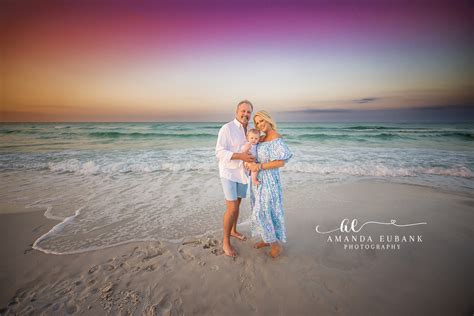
203 122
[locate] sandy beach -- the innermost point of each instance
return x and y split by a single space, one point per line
313 276
124 128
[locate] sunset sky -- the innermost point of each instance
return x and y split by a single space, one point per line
194 60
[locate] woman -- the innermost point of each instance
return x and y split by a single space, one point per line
266 198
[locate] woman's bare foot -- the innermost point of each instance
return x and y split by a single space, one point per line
229 250
275 251
239 236
261 244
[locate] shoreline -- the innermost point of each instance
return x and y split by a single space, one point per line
311 276
462 194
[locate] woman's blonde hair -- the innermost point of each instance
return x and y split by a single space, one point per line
266 117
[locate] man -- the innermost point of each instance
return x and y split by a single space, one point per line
231 170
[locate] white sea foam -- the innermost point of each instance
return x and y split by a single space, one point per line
57 229
377 170
337 168
74 165
321 161
98 211
459 171
107 190
92 167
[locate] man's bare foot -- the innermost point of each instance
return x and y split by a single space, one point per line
239 236
275 252
229 250
261 244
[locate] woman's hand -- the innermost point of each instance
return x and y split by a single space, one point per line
254 167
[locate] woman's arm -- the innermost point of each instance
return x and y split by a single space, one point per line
267 165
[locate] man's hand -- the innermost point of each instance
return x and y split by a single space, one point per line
247 157
243 156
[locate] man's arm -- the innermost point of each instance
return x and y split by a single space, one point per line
243 156
222 153
225 155
245 148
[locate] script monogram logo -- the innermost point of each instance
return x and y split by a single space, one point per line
348 226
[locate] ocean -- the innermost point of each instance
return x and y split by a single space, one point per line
112 183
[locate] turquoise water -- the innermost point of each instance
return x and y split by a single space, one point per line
111 183
414 152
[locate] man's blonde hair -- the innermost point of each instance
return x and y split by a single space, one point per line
266 117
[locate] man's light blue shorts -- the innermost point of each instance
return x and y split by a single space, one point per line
233 190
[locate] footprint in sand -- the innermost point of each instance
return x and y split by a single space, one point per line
71 308
125 266
193 243
106 290
210 243
56 307
151 268
93 269
145 254
153 310
217 251
166 306
131 265
62 284
186 256
109 267
28 310
133 252
18 297
13 302
168 268
153 253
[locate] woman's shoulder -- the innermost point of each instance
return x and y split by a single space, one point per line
270 138
275 136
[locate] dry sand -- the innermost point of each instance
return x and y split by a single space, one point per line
311 277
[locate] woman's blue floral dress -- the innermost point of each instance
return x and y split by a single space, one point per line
268 215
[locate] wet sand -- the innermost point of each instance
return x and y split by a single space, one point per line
312 275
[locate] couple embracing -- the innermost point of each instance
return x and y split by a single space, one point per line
261 152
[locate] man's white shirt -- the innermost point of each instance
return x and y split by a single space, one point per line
229 141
